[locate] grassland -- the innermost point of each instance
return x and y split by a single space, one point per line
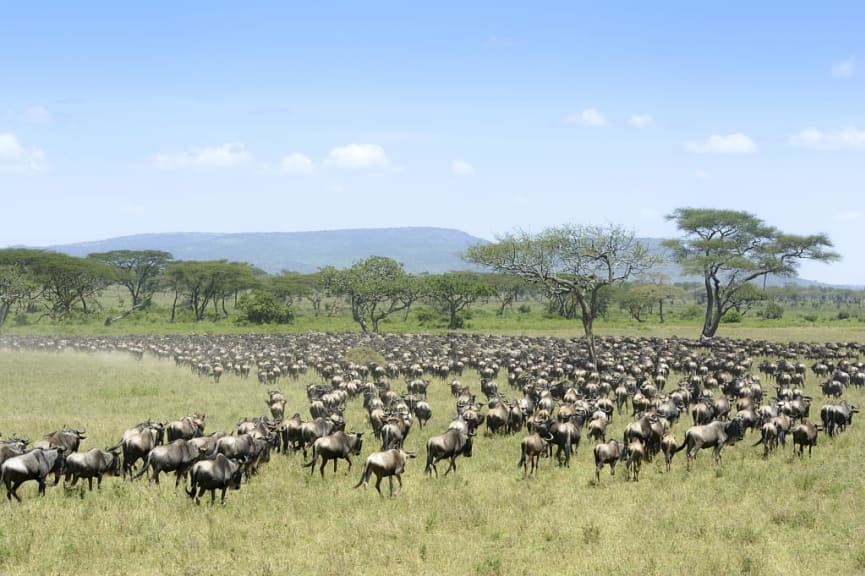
783 515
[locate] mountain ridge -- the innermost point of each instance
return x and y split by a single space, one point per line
418 248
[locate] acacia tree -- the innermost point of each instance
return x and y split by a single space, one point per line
569 261
373 287
453 292
730 249
203 282
137 270
18 286
67 280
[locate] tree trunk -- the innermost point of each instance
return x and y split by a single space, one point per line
4 312
661 310
708 329
174 304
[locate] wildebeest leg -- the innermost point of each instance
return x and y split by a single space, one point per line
90 483
41 482
222 499
451 466
378 484
613 468
347 459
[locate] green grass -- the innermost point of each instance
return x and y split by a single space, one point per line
782 516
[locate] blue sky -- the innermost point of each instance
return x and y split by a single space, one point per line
480 116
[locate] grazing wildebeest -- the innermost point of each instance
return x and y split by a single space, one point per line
449 445
333 447
178 456
714 435
388 463
35 464
187 427
608 453
220 473
93 463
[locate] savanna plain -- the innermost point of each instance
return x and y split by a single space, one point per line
749 515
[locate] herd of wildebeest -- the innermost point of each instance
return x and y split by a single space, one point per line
544 388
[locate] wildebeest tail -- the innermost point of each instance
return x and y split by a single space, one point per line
364 476
191 490
522 461
314 457
144 468
682 447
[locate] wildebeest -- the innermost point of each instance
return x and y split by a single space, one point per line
220 473
395 431
608 453
333 447
388 463
836 417
449 445
713 435
531 448
93 463
187 427
67 438
566 437
805 434
178 456
35 464
668 447
11 447
636 452
137 442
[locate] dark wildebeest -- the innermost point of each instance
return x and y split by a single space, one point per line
668 447
608 453
11 447
395 431
566 437
220 473
636 452
35 464
207 443
315 429
290 430
805 434
531 448
388 463
93 463
449 445
137 443
187 427
714 435
177 456
333 447
423 412
68 439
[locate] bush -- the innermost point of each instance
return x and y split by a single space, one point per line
810 317
731 317
773 311
262 307
524 309
843 315
691 312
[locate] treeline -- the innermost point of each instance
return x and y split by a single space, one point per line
37 284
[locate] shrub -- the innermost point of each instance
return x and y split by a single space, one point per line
524 309
810 317
843 315
773 311
731 317
691 312
262 307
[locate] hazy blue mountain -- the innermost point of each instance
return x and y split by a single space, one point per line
419 249
433 250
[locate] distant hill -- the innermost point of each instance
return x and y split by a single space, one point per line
433 250
419 249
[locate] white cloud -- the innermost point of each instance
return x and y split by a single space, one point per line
844 68
17 158
296 163
462 168
849 216
357 156
849 138
36 115
702 175
588 117
223 156
641 120
736 143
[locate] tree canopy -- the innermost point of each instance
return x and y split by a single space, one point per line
730 249
571 261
